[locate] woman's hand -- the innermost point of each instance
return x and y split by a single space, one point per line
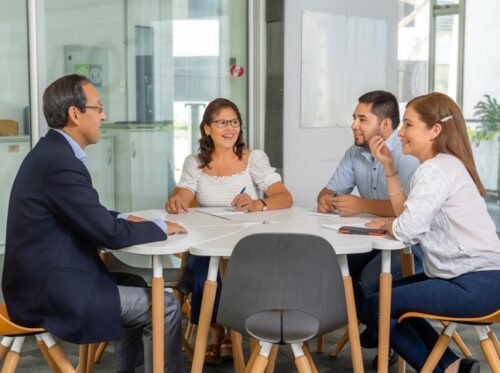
176 205
381 153
377 224
174 228
243 202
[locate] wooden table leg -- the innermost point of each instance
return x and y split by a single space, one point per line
352 317
207 307
158 306
384 312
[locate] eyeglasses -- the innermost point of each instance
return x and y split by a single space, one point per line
99 109
223 123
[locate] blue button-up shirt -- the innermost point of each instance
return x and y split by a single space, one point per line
359 169
82 156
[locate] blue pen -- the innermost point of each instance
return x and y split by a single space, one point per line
243 190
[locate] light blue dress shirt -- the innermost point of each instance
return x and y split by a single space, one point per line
82 156
359 169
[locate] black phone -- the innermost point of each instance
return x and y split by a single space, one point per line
360 230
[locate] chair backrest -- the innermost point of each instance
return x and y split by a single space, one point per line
270 271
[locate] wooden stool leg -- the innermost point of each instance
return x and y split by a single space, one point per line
302 364
494 340
340 344
13 356
45 352
238 358
100 350
439 349
320 343
5 346
307 353
253 357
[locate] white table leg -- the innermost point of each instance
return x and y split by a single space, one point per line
384 312
207 307
158 306
352 317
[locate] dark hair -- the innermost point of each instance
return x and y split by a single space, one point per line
439 108
60 95
206 143
384 105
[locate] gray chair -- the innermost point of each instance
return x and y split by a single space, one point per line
282 289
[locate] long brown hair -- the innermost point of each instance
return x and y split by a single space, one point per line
206 149
439 108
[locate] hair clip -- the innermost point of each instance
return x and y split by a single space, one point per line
445 119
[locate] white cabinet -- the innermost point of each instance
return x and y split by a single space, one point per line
13 149
143 165
101 166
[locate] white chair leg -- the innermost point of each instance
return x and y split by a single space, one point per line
57 354
5 346
13 356
262 359
488 348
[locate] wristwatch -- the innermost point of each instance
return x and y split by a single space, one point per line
264 205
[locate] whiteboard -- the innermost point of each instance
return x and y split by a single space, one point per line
342 58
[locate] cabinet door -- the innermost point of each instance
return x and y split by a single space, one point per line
149 169
11 154
101 165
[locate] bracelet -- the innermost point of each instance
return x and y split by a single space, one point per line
264 205
391 175
398 193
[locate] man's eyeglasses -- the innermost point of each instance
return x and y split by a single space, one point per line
223 123
99 109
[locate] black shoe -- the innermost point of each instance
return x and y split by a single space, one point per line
468 366
393 358
368 339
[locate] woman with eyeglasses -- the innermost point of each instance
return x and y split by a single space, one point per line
224 173
446 213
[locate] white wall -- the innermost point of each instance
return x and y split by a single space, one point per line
312 154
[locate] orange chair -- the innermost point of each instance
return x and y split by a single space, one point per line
488 340
14 336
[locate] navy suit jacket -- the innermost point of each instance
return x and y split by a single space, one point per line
53 277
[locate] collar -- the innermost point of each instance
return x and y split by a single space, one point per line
77 150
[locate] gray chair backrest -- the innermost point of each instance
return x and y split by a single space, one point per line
272 271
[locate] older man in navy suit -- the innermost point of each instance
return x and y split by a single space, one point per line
53 277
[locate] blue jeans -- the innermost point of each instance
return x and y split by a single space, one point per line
470 295
365 272
198 265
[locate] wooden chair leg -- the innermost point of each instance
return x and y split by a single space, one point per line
82 358
340 344
494 340
238 358
259 366
459 342
439 348
272 359
488 348
253 344
61 360
5 346
307 353
100 350
401 365
189 332
253 357
90 357
13 356
45 352
302 364
320 343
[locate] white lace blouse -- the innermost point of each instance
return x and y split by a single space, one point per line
447 215
220 190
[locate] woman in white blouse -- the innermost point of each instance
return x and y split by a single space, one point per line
446 213
224 173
